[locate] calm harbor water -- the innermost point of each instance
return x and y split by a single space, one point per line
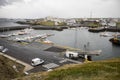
77 38
9 22
96 42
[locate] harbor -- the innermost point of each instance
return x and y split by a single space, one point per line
20 46
59 40
77 41
56 47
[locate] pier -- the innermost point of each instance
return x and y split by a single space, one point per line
59 48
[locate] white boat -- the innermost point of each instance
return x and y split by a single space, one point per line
14 34
105 34
4 36
23 32
28 29
19 39
47 41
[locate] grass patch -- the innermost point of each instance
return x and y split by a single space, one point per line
7 72
118 24
47 23
100 70
106 70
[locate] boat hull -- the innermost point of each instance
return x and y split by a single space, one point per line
114 41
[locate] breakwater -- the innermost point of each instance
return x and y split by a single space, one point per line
58 28
104 29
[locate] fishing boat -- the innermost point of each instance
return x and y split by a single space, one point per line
100 29
105 34
116 39
46 41
4 36
25 31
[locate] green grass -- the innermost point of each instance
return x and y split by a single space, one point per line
118 24
62 24
6 69
101 70
93 24
47 23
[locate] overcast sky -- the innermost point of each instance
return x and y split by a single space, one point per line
59 8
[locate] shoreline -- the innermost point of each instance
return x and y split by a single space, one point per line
103 29
58 28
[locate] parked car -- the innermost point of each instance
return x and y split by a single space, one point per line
37 61
1 48
4 50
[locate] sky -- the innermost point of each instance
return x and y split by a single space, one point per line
60 8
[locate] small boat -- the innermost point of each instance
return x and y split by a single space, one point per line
4 36
96 29
14 34
28 29
19 39
46 41
25 31
105 34
116 39
22 33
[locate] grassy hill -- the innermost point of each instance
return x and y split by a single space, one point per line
7 72
50 23
99 70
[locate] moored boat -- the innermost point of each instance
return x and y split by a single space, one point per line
4 36
105 34
116 39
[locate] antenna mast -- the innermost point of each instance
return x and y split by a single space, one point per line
91 14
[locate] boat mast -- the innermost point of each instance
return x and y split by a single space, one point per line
75 44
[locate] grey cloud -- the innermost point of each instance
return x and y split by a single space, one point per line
60 8
6 2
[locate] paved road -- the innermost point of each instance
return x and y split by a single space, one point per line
26 53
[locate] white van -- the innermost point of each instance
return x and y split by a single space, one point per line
70 54
36 61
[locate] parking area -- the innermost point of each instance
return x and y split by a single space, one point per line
26 54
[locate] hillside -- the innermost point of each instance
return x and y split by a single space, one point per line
99 70
7 72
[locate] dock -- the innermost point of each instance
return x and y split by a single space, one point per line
59 48
95 52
